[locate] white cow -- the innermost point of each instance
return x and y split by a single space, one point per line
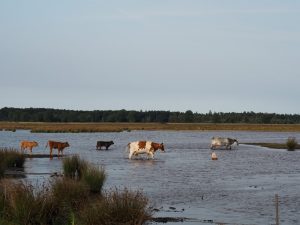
144 147
219 142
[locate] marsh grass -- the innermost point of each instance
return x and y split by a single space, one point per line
22 204
291 143
70 193
11 157
94 177
119 127
74 167
118 208
68 201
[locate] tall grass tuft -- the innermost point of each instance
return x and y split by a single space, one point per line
291 143
94 178
118 208
74 166
21 204
70 193
11 158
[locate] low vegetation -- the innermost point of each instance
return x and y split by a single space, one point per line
119 127
70 200
10 159
291 144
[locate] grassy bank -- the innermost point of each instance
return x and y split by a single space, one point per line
272 145
119 127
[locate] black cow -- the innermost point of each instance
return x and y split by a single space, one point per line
105 144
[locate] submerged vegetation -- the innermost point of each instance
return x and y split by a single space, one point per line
71 200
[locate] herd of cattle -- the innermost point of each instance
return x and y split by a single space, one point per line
135 148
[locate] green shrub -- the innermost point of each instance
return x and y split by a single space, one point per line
74 167
291 144
94 178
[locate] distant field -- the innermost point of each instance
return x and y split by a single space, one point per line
118 127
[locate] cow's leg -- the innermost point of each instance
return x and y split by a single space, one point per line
106 147
130 154
30 148
50 151
151 155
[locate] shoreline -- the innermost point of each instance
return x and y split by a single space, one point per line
40 127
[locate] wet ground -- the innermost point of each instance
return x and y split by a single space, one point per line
183 182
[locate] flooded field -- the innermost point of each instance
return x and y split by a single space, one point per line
184 182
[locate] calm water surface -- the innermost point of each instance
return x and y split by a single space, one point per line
238 188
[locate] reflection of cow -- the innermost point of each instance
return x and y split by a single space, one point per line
144 147
105 144
219 142
28 144
57 145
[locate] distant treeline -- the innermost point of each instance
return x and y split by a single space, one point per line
59 115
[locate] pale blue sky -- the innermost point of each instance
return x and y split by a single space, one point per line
224 56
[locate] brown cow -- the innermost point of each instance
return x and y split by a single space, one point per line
57 145
28 144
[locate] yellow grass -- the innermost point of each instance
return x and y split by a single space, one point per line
118 127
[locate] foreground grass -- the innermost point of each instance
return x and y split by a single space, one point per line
71 200
119 127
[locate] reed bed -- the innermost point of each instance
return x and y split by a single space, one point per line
119 127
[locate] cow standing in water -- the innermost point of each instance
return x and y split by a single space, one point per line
105 144
57 145
144 147
219 142
28 144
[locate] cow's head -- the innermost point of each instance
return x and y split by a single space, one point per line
35 143
236 141
162 147
67 144
111 142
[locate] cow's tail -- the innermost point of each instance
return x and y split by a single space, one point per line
47 144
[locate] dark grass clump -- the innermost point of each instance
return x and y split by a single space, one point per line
70 193
118 208
94 178
11 158
20 203
291 143
74 167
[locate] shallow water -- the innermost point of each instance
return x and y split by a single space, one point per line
238 188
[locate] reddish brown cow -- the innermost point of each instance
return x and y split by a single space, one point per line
57 145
